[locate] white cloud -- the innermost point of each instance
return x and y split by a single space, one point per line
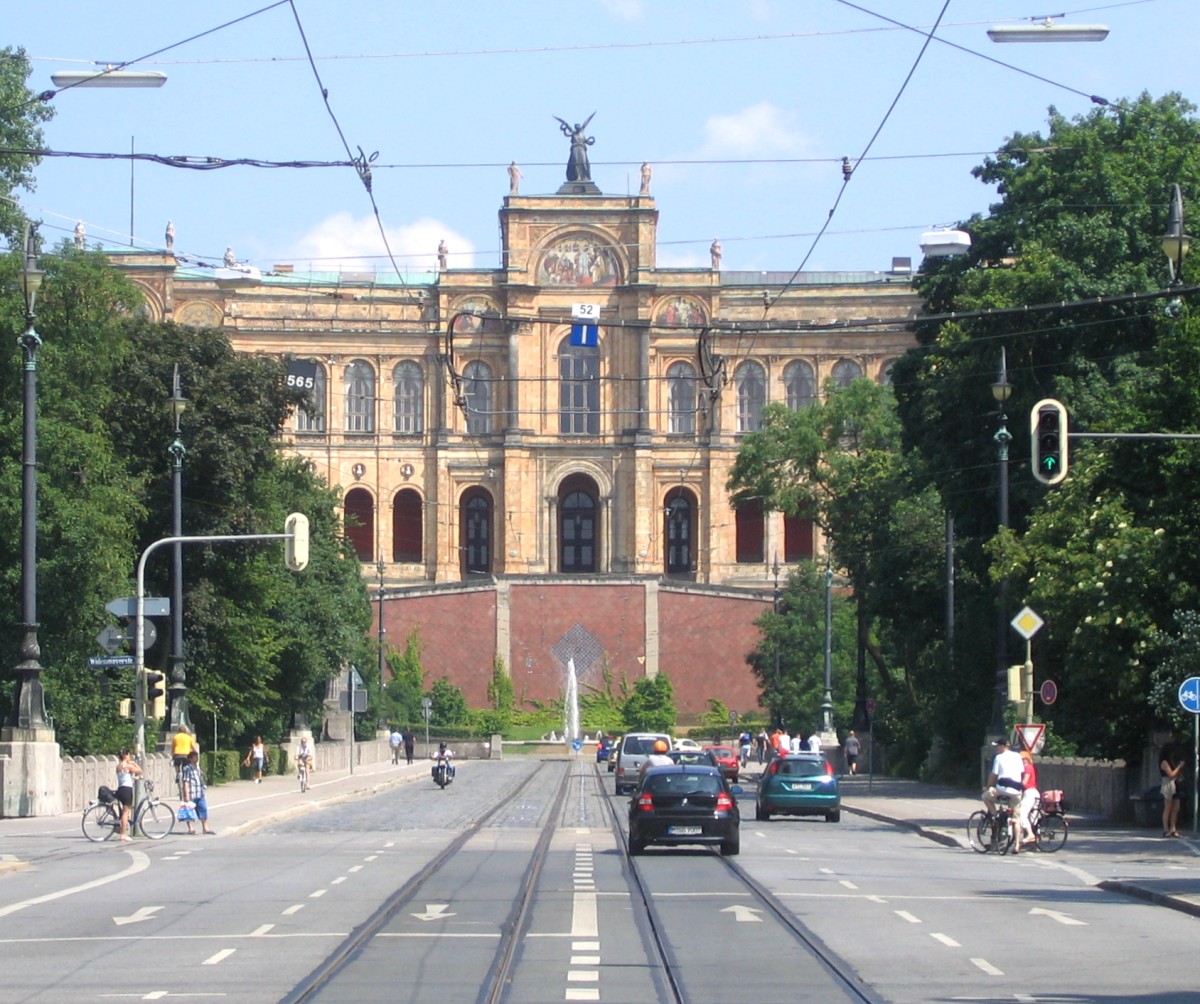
624 10
757 131
342 241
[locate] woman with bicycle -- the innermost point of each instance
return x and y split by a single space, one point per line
127 770
1029 798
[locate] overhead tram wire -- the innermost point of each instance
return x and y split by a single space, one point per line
362 163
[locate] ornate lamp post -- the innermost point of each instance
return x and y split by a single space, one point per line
827 700
27 720
1001 391
775 711
1175 242
177 685
381 567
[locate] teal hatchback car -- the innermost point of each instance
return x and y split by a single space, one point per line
801 784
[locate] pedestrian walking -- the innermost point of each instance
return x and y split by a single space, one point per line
256 757
409 741
193 793
395 741
1170 768
760 746
852 748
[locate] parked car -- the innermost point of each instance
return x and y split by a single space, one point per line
703 758
632 751
799 784
684 804
727 760
685 744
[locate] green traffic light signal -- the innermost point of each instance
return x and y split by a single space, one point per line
1048 441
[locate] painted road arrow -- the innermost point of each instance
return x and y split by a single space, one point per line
434 911
145 913
744 914
1062 918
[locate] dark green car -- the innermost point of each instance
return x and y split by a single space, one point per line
800 784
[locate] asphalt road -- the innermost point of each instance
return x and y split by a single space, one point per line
256 916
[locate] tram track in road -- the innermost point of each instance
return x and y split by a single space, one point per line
656 927
492 991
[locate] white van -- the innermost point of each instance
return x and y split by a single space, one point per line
632 751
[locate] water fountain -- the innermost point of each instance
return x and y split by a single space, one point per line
571 706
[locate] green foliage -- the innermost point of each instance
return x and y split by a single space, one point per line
220 766
651 706
600 707
500 693
19 130
715 718
406 687
449 704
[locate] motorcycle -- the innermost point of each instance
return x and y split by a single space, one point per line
443 773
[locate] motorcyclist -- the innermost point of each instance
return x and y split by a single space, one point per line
444 755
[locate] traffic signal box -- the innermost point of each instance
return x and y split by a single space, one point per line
1049 457
156 700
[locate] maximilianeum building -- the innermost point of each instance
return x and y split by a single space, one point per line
488 443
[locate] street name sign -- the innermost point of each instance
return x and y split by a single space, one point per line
109 661
152 606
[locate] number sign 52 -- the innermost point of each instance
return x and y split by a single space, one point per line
585 311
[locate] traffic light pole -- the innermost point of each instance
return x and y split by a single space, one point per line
139 658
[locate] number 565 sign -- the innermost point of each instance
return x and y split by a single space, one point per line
301 374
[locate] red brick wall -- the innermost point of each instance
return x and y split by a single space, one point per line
702 647
703 639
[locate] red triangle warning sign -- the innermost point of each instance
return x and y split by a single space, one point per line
1031 737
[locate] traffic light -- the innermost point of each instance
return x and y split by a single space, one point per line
1048 441
295 548
156 701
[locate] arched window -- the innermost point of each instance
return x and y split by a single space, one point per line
477 390
360 397
577 521
360 522
475 532
845 372
310 416
407 526
681 399
749 522
410 398
800 385
751 384
679 530
885 371
578 389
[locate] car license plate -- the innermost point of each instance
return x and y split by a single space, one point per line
684 831
801 786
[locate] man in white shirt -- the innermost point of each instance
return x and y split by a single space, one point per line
814 743
1004 781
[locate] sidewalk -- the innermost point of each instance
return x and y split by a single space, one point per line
1135 861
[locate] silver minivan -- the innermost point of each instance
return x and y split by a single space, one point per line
632 751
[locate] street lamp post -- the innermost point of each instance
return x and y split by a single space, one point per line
27 721
775 714
381 567
177 685
1001 391
827 700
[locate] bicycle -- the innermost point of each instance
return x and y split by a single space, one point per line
990 832
1048 822
302 773
152 817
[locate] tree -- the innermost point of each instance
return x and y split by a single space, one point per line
20 112
651 706
449 704
403 692
1109 554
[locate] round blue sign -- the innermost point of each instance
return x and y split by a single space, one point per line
1189 694
576 745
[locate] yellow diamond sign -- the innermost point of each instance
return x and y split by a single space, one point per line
1027 623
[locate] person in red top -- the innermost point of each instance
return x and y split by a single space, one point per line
1029 798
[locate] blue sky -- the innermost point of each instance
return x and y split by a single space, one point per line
744 109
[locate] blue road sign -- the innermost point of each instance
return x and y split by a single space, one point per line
109 661
1189 694
576 745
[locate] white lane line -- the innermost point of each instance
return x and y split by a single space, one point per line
946 940
338 880
875 899
262 929
220 956
390 843
140 862
847 883
371 857
318 894
987 967
905 915
354 868
584 921
585 946
583 975
825 871
294 908
585 960
582 994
